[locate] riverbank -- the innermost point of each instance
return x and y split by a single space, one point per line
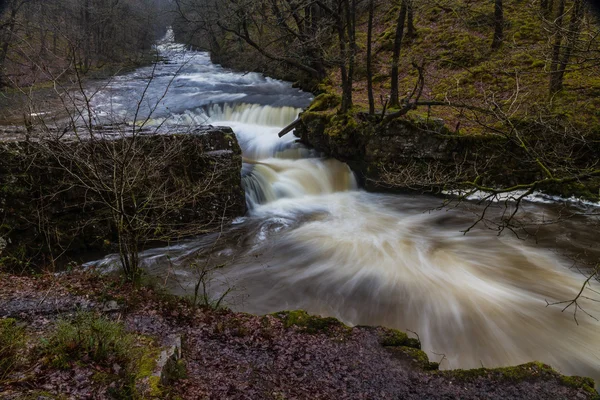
234 355
313 241
421 154
504 127
63 199
49 100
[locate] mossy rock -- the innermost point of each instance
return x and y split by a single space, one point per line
324 102
310 323
148 384
341 125
395 338
523 372
419 358
464 50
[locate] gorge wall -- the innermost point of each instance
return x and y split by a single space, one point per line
407 154
52 207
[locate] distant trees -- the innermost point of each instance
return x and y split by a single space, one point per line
309 36
40 39
314 37
290 32
8 27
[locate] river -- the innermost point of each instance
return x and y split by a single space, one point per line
313 240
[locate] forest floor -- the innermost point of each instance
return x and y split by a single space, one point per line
227 355
452 41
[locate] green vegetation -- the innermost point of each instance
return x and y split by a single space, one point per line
521 373
12 345
325 101
460 66
89 336
310 323
396 338
417 357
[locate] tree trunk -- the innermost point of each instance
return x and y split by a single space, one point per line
546 7
351 29
345 53
572 36
555 73
395 92
8 36
411 31
370 58
498 24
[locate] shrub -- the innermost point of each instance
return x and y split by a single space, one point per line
89 337
12 345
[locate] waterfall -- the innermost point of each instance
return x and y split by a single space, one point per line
277 168
312 241
276 178
253 114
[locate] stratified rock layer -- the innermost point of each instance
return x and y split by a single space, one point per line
47 213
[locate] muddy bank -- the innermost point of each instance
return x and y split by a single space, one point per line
56 199
232 355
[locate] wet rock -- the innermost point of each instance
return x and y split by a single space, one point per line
111 306
405 154
49 216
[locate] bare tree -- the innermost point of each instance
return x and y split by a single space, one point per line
565 41
144 185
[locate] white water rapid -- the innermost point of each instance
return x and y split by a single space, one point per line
313 240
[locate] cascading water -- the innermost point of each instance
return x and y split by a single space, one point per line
313 241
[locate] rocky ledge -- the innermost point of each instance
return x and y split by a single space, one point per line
58 198
420 154
181 351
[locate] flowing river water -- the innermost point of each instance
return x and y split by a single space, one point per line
313 240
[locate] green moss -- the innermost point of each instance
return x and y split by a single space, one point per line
578 382
464 50
393 337
538 64
532 370
146 384
146 363
155 389
325 101
419 357
310 323
341 125
312 116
